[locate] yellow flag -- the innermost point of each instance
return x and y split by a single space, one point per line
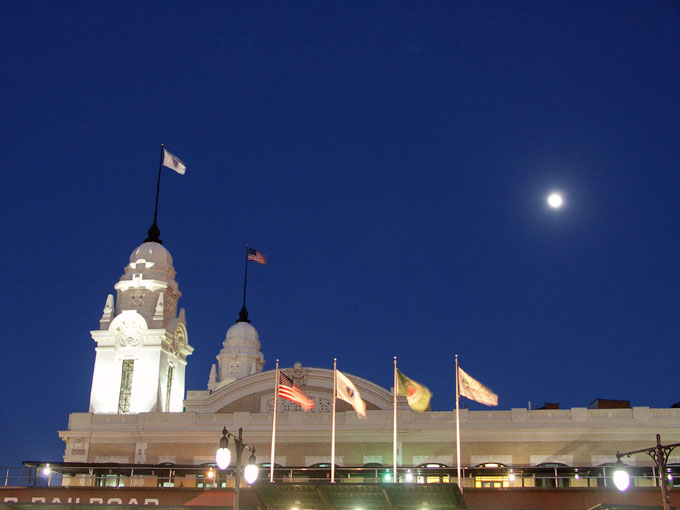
417 395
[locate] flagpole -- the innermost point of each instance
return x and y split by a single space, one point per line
276 399
154 233
458 429
243 314
335 379
394 439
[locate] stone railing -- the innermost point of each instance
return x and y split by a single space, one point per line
642 415
487 416
214 419
445 416
610 414
666 413
549 415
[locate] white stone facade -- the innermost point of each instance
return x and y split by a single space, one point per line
142 341
517 437
142 347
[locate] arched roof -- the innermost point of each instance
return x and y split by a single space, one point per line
252 393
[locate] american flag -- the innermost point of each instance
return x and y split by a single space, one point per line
256 256
291 392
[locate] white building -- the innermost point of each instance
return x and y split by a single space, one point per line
138 415
141 342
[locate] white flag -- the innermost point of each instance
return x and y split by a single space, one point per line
349 393
172 161
474 390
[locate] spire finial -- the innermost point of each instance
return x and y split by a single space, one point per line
243 315
153 234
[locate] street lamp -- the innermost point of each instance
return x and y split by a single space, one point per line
47 471
250 472
223 455
223 459
621 478
659 455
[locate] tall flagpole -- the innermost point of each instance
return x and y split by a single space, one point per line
243 314
153 232
276 399
394 439
458 429
335 393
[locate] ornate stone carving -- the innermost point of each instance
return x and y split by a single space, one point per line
128 331
299 375
128 334
178 340
174 345
324 406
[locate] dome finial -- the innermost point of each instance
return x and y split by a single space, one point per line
243 315
153 234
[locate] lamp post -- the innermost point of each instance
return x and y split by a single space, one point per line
47 471
659 455
223 458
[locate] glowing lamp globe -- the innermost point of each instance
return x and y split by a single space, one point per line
223 458
621 479
250 473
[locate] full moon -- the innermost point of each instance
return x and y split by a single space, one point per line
555 200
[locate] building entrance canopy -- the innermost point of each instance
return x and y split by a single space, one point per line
364 496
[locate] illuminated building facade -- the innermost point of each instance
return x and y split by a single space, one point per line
138 415
142 342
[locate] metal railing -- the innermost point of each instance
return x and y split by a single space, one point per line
28 477
208 476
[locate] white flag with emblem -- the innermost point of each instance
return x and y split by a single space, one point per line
474 390
172 161
349 393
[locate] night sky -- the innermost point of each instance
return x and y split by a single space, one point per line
392 160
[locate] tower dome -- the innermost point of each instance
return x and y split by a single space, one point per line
239 357
152 252
148 285
242 333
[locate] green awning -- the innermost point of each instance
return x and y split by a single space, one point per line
365 496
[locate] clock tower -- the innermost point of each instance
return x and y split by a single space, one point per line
142 341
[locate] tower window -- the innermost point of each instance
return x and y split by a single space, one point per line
125 386
168 387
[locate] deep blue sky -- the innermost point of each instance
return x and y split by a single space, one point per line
391 159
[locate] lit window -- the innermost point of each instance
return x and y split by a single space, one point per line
168 388
125 386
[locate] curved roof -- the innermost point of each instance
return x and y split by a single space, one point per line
255 393
152 252
150 267
242 334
